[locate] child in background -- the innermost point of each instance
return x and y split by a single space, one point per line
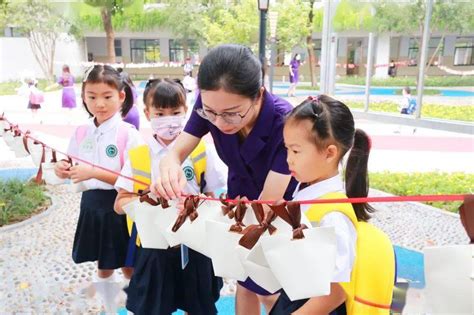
101 234
35 97
318 133
159 285
408 105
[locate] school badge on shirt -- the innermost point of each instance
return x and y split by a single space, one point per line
111 151
189 173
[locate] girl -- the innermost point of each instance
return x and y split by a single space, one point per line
317 134
132 116
294 74
246 124
35 97
101 235
67 82
159 285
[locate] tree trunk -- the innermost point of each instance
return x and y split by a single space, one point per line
185 48
43 47
109 33
309 45
435 53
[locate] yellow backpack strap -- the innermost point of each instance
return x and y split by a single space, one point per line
140 162
199 159
317 211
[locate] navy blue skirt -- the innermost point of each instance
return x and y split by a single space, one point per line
285 306
101 234
160 286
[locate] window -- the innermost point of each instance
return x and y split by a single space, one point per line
118 47
145 50
463 52
413 53
432 45
317 50
13 32
177 50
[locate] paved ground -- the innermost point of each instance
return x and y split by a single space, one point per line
38 275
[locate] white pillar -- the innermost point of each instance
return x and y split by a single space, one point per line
382 56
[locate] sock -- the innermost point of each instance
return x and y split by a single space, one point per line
108 289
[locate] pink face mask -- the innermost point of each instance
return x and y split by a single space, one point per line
167 127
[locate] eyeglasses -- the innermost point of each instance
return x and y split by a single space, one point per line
230 118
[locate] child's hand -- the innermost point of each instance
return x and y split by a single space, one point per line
61 169
81 172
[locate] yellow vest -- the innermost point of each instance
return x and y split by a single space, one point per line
140 162
372 279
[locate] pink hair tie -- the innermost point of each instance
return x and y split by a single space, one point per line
369 142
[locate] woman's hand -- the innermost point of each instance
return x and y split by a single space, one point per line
81 172
61 169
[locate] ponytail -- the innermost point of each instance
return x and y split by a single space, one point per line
356 174
129 99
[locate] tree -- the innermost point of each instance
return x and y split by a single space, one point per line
42 26
237 24
108 8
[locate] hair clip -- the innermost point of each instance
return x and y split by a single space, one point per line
87 73
369 142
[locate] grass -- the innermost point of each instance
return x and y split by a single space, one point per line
460 112
431 183
438 81
20 200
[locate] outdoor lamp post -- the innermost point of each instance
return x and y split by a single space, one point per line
263 7
273 17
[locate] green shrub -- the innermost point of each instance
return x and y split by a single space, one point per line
449 112
19 200
432 183
411 81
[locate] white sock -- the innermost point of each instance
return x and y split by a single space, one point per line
108 289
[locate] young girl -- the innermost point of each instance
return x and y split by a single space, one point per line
317 134
101 234
132 116
35 97
159 285
66 80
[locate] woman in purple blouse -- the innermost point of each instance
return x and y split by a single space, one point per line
294 74
246 124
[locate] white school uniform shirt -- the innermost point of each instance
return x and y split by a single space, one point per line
346 234
99 147
215 174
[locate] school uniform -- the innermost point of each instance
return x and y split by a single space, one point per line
101 235
250 161
159 285
346 239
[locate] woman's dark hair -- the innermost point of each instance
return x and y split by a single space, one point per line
164 93
126 78
108 75
333 123
233 68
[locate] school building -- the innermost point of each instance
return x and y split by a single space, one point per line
161 53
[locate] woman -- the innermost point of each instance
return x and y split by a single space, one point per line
294 74
246 124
